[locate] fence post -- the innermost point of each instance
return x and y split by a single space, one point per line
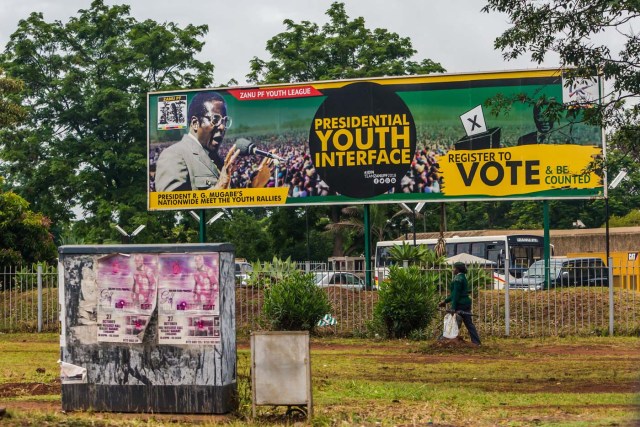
39 297
610 270
507 312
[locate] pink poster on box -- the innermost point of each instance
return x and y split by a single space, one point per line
188 295
127 295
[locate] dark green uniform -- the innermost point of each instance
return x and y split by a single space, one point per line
460 300
459 292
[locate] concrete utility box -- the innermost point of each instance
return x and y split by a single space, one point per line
281 369
148 328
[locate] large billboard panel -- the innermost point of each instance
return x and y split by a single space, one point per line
426 138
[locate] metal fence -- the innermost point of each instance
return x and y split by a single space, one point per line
29 298
580 301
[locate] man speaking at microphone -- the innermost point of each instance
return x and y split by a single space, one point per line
193 163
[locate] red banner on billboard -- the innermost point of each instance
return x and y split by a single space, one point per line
274 93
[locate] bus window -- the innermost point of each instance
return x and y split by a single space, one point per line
384 260
519 257
463 248
495 253
478 249
536 253
451 249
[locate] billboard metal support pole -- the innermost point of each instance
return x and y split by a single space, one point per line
39 297
606 227
203 227
306 220
547 243
367 247
507 307
611 319
414 225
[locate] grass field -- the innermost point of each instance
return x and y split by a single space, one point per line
506 382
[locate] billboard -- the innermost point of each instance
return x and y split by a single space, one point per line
420 138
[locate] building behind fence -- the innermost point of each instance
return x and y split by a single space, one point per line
29 302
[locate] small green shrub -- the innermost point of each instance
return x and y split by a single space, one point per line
407 302
409 253
419 254
295 303
264 274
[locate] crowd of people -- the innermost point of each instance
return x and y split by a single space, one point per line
424 175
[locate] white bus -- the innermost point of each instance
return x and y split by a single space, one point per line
522 250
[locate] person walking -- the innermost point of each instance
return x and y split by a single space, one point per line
460 300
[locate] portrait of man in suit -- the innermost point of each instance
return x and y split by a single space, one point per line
193 163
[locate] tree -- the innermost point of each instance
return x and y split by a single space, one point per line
249 235
341 49
24 234
288 228
577 31
83 141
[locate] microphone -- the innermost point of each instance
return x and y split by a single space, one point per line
247 148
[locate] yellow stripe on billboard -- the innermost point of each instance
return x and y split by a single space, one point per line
518 170
218 198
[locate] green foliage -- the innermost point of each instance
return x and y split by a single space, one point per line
249 235
624 141
264 274
10 111
24 234
83 141
407 302
407 252
288 228
419 254
295 303
624 200
341 49
632 219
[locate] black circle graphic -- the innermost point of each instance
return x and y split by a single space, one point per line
362 140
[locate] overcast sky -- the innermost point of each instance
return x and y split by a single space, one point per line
453 32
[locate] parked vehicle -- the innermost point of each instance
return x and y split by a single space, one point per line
341 279
563 272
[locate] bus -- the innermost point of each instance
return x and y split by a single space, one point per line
522 250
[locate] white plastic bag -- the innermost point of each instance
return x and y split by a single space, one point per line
450 326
